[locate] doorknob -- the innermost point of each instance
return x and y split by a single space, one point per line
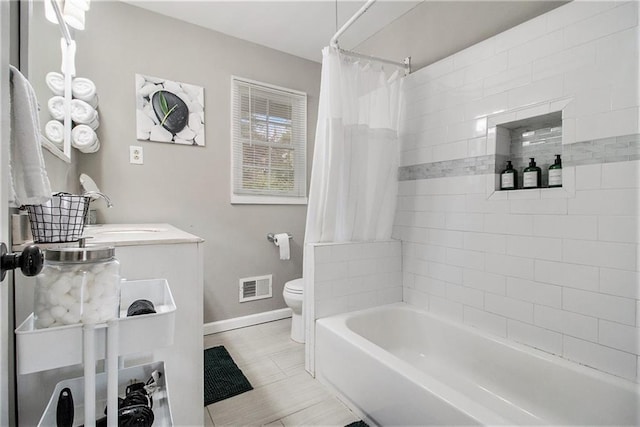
30 261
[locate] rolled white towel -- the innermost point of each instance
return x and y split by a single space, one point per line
54 130
55 82
95 147
83 89
56 107
73 13
93 101
83 137
82 112
94 124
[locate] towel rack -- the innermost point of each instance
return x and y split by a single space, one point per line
271 237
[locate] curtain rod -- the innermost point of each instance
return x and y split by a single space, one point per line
63 25
406 64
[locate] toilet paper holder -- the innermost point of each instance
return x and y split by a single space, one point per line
271 237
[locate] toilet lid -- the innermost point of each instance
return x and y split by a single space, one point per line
294 286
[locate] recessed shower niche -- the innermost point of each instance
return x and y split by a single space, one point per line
538 137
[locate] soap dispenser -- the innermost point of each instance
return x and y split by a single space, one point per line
509 178
532 176
555 173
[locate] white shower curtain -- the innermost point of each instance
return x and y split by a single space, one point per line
355 163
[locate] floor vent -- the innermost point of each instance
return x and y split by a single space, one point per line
253 288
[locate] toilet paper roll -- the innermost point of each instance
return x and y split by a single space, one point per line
282 241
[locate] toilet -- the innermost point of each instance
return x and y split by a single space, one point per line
292 294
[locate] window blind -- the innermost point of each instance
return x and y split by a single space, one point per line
269 139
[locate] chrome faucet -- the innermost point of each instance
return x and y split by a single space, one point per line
94 195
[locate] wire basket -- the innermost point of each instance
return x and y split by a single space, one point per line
60 220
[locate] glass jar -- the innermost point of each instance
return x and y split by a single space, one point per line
77 285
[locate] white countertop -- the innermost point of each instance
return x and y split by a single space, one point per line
126 235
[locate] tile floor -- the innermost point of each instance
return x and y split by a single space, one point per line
283 394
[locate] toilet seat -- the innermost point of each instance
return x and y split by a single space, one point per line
294 286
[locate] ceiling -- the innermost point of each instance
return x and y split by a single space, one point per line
301 28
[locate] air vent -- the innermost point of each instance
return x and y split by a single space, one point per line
253 288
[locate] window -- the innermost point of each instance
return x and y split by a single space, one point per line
269 144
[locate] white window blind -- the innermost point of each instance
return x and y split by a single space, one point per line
269 143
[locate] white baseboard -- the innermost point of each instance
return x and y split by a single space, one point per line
241 322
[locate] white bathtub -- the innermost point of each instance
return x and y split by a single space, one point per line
402 366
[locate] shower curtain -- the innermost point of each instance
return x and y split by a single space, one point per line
355 162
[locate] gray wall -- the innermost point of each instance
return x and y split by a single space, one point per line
436 29
184 185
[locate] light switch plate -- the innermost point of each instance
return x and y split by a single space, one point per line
135 155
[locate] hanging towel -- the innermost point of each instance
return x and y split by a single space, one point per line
82 113
282 241
54 131
28 176
55 82
83 89
56 107
68 57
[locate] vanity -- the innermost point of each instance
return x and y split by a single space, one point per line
145 251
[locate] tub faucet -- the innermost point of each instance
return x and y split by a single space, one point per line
98 195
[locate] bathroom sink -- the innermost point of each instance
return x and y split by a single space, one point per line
135 234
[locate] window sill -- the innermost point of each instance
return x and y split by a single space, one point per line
267 200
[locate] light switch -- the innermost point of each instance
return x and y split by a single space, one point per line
135 155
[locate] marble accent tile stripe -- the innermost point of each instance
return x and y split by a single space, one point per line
479 165
605 150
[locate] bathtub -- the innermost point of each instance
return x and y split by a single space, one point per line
397 365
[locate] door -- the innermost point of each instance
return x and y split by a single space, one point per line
6 333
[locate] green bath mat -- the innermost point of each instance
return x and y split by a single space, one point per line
222 377
357 424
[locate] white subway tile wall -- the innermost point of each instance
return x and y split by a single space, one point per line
556 269
354 276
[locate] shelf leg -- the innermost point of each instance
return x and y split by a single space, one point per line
89 360
112 372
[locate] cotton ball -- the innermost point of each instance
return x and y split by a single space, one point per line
97 269
53 299
89 276
67 301
76 293
45 280
77 281
75 310
70 319
96 290
41 298
111 291
91 317
44 322
107 312
58 312
61 286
